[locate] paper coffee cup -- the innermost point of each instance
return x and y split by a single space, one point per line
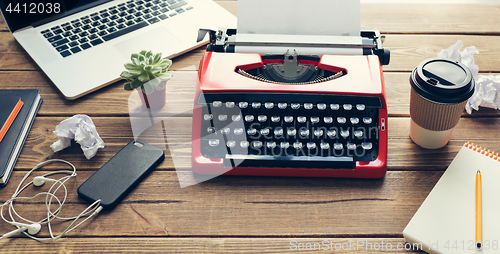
440 90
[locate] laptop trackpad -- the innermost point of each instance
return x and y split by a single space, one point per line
159 40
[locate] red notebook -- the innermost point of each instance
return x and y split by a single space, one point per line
9 108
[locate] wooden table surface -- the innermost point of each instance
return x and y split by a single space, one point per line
256 214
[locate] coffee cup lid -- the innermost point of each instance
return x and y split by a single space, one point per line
442 81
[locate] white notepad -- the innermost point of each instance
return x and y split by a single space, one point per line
445 223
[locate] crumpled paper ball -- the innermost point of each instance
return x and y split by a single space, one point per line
487 89
82 130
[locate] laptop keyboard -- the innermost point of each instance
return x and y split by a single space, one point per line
91 30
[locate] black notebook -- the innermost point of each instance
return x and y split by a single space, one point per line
13 141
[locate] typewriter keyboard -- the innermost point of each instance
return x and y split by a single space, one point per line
289 129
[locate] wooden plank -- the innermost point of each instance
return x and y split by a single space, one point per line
248 206
407 51
403 154
211 245
180 96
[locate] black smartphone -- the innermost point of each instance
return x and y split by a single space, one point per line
115 179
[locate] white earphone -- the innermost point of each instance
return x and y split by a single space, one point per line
40 180
31 228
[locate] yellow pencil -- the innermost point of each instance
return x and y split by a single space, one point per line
479 211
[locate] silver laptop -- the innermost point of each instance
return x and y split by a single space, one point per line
82 45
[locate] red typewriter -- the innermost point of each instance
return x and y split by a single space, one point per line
287 113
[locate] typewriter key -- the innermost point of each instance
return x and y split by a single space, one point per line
331 133
297 145
308 106
341 120
278 132
275 119
295 105
291 131
222 118
213 142
244 144
256 105
334 106
225 130
282 105
301 119
269 105
231 143
271 144
288 119
262 118
217 104
347 106
351 146
284 145
311 145
314 119
318 132
367 120
321 106
324 146
354 120
360 107
328 119
249 118
304 133
344 133
238 131
243 104
338 146
208 117
251 132
236 118
265 131
358 133
230 104
257 144
366 145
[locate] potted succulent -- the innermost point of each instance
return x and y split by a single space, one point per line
148 73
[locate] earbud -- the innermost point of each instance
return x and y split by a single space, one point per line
33 229
40 180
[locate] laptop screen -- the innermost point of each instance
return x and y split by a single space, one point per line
22 13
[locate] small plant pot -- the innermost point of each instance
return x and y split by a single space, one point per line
154 100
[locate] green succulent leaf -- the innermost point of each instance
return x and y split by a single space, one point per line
147 88
144 77
149 54
160 85
135 73
148 68
143 52
135 84
155 82
128 86
130 66
134 56
157 58
126 75
156 70
141 58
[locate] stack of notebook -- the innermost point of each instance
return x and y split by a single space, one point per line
18 109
